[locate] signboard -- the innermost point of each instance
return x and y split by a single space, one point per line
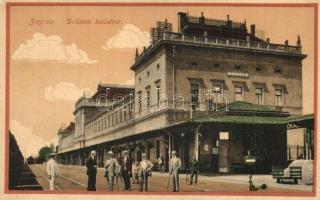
215 151
224 136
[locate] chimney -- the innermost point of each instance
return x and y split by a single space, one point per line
201 19
298 41
137 53
253 30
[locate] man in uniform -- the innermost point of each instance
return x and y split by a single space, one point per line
145 168
111 166
174 167
126 169
92 171
52 170
194 170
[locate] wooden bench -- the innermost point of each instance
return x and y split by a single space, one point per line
295 174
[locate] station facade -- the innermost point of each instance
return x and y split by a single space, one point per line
212 90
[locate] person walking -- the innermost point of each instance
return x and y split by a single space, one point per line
174 167
111 166
135 175
118 172
126 169
52 170
145 168
92 171
194 170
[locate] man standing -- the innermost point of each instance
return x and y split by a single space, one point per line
194 170
126 169
174 166
52 170
111 166
144 172
92 171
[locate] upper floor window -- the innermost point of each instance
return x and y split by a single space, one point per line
237 66
139 101
216 65
194 64
158 66
277 70
148 99
258 69
158 96
279 96
239 93
259 96
148 73
194 93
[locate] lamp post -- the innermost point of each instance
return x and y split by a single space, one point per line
250 161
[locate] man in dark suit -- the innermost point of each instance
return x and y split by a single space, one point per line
92 171
126 168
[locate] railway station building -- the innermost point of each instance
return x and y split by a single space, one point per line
211 90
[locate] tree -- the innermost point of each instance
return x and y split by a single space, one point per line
44 152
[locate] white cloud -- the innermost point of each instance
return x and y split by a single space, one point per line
65 91
129 37
29 143
51 48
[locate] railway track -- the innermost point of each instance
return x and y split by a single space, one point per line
63 183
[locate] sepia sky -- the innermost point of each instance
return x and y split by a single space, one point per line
58 52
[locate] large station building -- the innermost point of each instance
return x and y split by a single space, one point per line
213 90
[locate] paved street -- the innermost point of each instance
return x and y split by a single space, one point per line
75 178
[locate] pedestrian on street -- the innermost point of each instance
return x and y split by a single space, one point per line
194 170
118 172
126 169
174 167
92 171
160 163
144 172
135 170
52 170
111 166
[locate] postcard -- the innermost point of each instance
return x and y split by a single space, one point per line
160 100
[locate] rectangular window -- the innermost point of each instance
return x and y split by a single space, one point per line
125 110
130 110
148 99
116 116
259 96
112 120
216 95
238 92
109 123
120 115
237 66
279 96
158 96
194 93
139 102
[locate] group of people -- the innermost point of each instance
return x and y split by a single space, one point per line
124 168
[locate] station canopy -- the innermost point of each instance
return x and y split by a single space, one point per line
246 113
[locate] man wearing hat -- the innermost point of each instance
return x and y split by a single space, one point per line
111 166
144 171
174 166
52 170
92 171
126 169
